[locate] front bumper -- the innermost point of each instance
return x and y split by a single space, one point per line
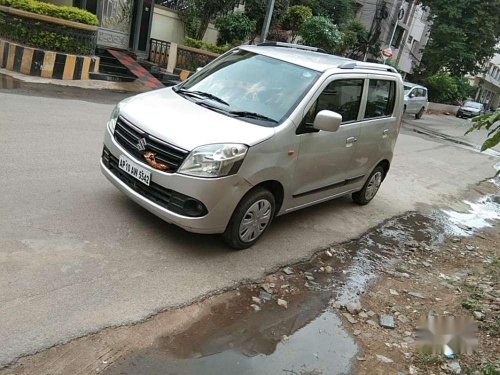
220 196
467 114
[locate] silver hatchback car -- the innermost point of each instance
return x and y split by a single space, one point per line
259 132
416 99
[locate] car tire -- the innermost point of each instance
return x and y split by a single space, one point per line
370 189
258 208
420 113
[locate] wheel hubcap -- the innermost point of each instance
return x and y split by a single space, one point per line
373 185
255 220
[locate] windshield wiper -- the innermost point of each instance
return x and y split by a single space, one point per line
201 94
254 115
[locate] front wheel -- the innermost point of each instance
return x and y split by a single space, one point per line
250 219
370 189
420 113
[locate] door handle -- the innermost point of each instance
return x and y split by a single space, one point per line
349 141
385 133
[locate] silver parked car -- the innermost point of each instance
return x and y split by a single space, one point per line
471 109
259 132
416 99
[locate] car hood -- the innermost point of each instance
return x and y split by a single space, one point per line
176 120
470 109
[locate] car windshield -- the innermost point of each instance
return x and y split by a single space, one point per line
473 105
253 87
407 89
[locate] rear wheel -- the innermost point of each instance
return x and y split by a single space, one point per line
250 219
370 189
420 113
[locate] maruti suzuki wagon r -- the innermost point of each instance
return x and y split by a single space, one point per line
259 132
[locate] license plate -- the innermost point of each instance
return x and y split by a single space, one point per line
134 170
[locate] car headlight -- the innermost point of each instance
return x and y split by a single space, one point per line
215 160
114 118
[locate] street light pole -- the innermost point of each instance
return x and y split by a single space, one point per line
267 21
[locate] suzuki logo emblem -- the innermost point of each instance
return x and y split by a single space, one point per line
141 144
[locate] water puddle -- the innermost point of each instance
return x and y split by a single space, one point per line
8 83
286 324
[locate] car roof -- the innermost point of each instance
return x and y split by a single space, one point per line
318 61
412 85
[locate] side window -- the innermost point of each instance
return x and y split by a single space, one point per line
342 96
424 93
381 95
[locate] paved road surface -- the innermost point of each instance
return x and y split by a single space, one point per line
76 255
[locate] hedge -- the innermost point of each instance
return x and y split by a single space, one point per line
45 35
63 12
195 43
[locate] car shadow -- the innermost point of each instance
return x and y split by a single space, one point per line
173 237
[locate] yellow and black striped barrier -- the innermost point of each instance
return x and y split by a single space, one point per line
46 64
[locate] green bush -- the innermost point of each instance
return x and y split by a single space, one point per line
63 12
54 38
195 43
446 89
320 32
295 16
234 28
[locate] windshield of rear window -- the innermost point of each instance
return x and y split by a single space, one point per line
254 83
473 105
407 88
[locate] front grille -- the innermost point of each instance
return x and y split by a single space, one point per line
128 135
167 198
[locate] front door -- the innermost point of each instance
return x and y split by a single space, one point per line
141 26
326 157
116 19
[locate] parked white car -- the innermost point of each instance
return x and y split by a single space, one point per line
259 132
416 99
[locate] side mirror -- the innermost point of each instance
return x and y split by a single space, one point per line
412 95
328 121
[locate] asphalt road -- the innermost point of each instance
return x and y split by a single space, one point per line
77 256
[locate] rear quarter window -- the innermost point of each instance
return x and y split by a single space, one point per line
381 98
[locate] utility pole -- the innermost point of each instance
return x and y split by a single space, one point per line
394 29
267 21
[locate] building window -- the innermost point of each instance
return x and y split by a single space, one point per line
396 41
410 39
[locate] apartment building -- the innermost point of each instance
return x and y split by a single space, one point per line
488 84
402 26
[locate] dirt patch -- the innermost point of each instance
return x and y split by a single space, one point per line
460 277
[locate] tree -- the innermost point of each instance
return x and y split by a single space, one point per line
355 39
256 10
234 28
198 14
319 31
295 17
463 35
490 122
341 12
444 88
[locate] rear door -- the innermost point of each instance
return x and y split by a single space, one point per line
378 127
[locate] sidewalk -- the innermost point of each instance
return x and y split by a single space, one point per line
136 86
448 127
